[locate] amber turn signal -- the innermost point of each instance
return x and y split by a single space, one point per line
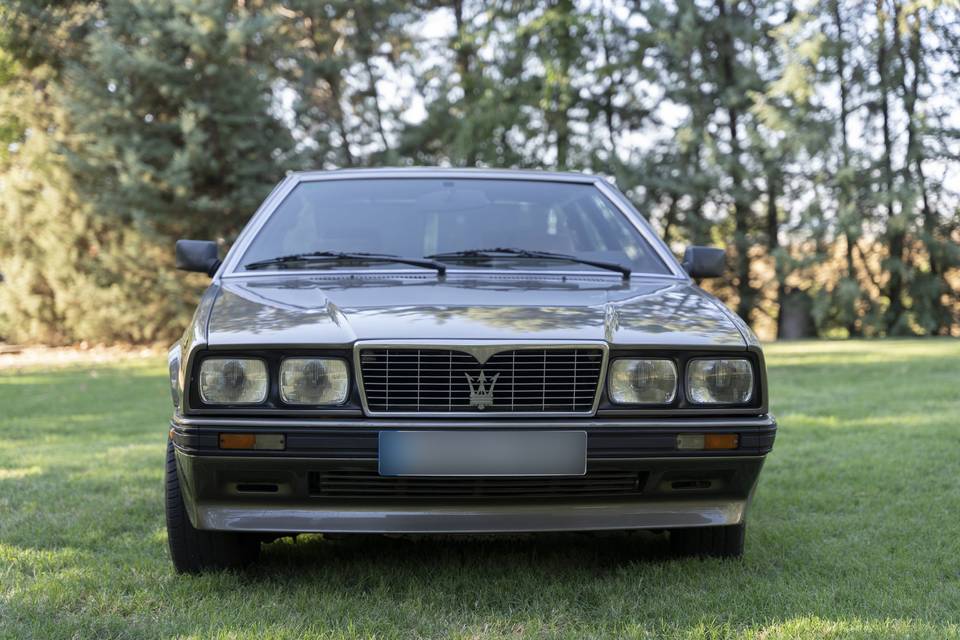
721 441
709 441
237 441
272 441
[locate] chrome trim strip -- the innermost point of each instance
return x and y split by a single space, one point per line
684 459
481 518
485 348
337 422
448 172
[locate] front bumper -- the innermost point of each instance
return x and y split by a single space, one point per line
275 491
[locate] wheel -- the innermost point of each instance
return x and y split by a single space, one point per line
193 550
712 542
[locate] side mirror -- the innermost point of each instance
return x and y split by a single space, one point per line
704 262
198 255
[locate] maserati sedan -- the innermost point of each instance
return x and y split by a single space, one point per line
458 351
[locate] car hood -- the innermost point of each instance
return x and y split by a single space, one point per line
337 310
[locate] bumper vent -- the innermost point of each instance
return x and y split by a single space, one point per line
367 483
449 381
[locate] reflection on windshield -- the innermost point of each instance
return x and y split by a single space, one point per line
415 217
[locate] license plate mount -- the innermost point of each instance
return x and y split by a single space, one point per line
470 453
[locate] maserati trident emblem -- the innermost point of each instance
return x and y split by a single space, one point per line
481 395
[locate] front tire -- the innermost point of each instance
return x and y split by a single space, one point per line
193 550
710 542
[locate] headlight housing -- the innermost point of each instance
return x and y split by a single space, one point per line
642 381
314 381
719 381
233 381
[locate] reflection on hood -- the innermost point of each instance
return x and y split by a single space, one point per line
290 309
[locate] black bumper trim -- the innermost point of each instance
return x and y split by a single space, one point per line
358 440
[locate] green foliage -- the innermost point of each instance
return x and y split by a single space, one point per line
171 114
69 273
161 128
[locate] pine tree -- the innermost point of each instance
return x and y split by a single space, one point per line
154 125
69 274
173 114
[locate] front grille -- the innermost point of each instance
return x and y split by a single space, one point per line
366 483
446 380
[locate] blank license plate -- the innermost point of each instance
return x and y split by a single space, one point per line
483 453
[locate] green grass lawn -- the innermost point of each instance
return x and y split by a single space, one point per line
854 531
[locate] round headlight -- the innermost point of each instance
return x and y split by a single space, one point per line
649 381
233 381
317 381
720 381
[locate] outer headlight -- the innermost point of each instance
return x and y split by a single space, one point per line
314 381
649 381
720 381
233 381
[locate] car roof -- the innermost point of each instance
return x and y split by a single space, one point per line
444 172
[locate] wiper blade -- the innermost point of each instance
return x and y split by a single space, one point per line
343 256
525 253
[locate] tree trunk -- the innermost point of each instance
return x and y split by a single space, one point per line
844 199
741 204
774 180
911 57
464 55
896 236
558 115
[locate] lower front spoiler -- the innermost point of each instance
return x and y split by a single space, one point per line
512 518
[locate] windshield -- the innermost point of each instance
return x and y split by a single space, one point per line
430 216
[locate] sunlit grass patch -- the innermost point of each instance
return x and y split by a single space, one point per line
17 474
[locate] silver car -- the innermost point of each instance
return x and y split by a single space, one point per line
458 351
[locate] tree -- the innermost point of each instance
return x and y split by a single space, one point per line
713 60
174 128
154 125
476 94
70 274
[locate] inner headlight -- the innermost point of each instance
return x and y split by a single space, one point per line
233 381
314 381
649 381
721 381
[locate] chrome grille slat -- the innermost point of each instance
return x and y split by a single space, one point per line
520 381
438 380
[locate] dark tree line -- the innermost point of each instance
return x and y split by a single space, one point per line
818 141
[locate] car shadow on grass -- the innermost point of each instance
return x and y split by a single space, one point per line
418 553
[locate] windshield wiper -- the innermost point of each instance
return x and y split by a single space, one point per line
525 253
342 256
